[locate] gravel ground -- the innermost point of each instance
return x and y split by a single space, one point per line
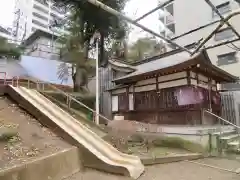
171 171
33 140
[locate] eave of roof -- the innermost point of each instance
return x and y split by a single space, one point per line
120 66
168 53
176 65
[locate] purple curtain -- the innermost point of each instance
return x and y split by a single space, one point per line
189 95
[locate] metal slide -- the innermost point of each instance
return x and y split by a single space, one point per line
83 135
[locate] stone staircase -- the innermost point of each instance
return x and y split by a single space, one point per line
228 141
225 140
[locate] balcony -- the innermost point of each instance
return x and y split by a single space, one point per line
40 8
169 19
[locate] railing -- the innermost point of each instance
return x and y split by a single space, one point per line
220 144
222 119
4 77
42 86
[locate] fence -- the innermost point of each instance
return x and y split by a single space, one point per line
230 108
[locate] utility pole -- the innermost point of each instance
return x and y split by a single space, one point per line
97 38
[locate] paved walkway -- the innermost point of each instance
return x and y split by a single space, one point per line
174 171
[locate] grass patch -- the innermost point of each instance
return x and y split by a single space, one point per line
8 136
176 142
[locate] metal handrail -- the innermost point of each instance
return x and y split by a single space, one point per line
38 82
5 77
224 120
75 100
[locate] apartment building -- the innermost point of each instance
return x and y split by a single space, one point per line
31 15
188 22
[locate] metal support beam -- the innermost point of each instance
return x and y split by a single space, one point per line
153 10
222 18
238 1
222 43
120 15
215 30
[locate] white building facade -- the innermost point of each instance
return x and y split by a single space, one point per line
31 15
188 22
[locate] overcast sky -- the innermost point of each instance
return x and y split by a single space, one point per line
133 9
6 12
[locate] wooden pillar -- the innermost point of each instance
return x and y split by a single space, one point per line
127 100
210 93
134 100
157 99
197 77
188 78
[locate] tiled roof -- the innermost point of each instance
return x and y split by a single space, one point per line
160 63
177 62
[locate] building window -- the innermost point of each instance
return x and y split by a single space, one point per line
40 16
43 2
171 27
224 34
169 9
162 19
169 19
39 23
114 103
40 9
223 8
226 59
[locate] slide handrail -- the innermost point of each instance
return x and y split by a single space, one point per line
69 96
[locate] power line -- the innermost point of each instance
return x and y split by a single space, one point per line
122 16
153 10
232 47
236 46
222 18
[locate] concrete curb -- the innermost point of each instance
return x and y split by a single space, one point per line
170 159
55 166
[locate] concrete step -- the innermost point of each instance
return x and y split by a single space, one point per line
234 143
225 133
233 146
230 137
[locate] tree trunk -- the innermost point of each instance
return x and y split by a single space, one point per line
102 55
80 76
78 79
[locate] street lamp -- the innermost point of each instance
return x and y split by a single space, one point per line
97 36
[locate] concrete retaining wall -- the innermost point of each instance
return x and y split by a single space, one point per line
56 166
